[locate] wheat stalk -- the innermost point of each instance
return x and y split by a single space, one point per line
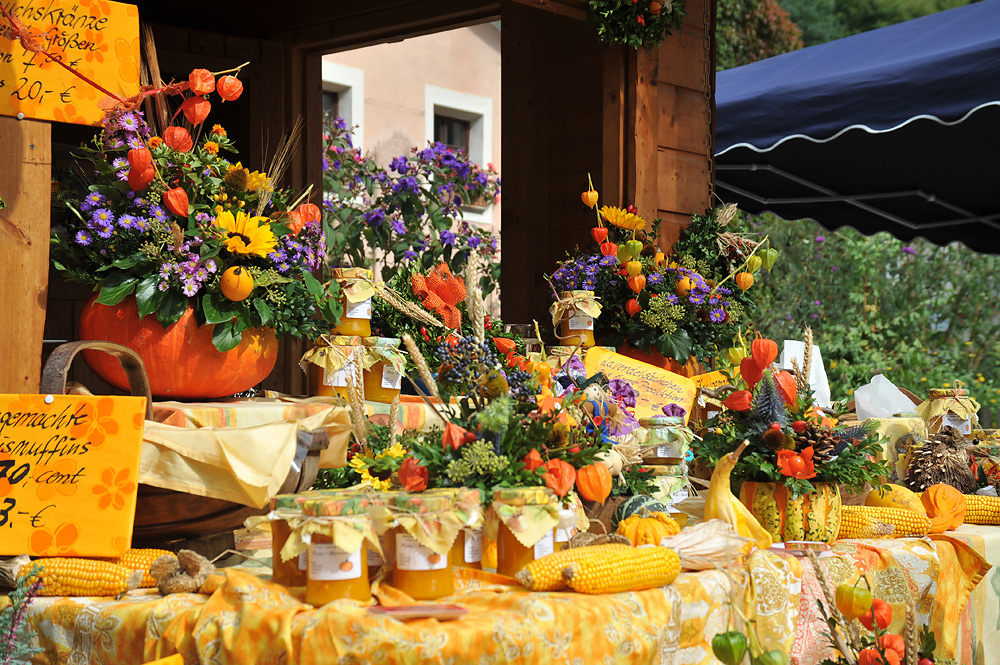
910 632
356 398
421 363
807 357
474 298
393 410
831 602
405 306
279 162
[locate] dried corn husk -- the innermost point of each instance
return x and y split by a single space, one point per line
586 539
706 546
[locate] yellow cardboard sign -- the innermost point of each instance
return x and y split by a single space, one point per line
98 39
68 473
710 380
656 387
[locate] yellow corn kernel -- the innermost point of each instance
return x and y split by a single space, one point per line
69 576
882 522
142 559
545 574
982 509
606 570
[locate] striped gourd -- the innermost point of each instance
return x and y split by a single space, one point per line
545 574
71 576
605 570
814 516
981 509
882 522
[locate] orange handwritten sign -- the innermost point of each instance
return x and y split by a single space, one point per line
98 39
656 387
68 467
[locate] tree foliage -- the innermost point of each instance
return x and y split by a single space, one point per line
825 20
751 30
923 315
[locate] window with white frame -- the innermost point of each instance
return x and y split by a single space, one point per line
461 120
344 96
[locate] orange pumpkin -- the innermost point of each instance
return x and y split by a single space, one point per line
945 507
594 482
181 361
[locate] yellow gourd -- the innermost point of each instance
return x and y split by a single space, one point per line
895 496
648 528
236 283
720 503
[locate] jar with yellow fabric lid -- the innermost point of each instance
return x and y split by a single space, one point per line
356 298
332 362
291 572
337 542
384 364
574 313
467 552
524 520
419 544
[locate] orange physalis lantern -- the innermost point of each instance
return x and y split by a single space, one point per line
176 201
196 109
594 482
559 476
744 280
140 159
764 352
178 138
230 88
139 180
201 82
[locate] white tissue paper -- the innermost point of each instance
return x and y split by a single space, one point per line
880 399
817 373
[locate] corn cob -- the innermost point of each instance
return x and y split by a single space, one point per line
142 559
68 576
617 570
882 522
981 509
545 574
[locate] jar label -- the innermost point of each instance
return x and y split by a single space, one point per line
329 562
411 555
391 379
473 545
374 559
359 310
563 535
303 561
545 546
581 322
665 451
338 379
963 425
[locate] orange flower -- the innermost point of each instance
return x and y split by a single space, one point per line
154 141
218 130
211 147
799 466
455 436
532 460
114 489
53 479
559 476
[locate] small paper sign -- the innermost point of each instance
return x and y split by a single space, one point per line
656 387
100 40
710 380
68 467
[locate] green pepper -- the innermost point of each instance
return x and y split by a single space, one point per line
730 647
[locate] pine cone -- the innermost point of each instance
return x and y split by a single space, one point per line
824 443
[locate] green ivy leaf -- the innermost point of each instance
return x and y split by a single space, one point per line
172 308
217 308
264 310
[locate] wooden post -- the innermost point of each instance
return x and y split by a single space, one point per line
25 185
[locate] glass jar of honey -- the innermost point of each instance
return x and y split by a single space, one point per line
334 571
286 507
512 552
467 552
467 502
421 571
356 299
331 363
383 380
577 325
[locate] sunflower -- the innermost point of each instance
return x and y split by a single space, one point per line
246 234
361 464
622 218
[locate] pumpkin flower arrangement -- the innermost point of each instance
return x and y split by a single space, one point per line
790 442
687 304
175 222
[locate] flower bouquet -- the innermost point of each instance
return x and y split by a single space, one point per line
688 304
796 458
172 226
404 217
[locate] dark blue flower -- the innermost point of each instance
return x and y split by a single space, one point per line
447 238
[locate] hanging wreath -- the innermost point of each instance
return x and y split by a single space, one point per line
635 22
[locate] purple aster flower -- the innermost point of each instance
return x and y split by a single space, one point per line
128 122
398 226
142 224
157 213
103 229
475 241
608 261
717 315
103 216
202 218
84 238
409 255
121 175
128 222
190 288
447 238
696 298
671 298
210 265
820 238
119 163
163 285
655 278
909 250
91 201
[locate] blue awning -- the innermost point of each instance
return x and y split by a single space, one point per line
896 129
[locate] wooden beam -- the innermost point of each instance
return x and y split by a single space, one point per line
643 118
25 185
569 8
